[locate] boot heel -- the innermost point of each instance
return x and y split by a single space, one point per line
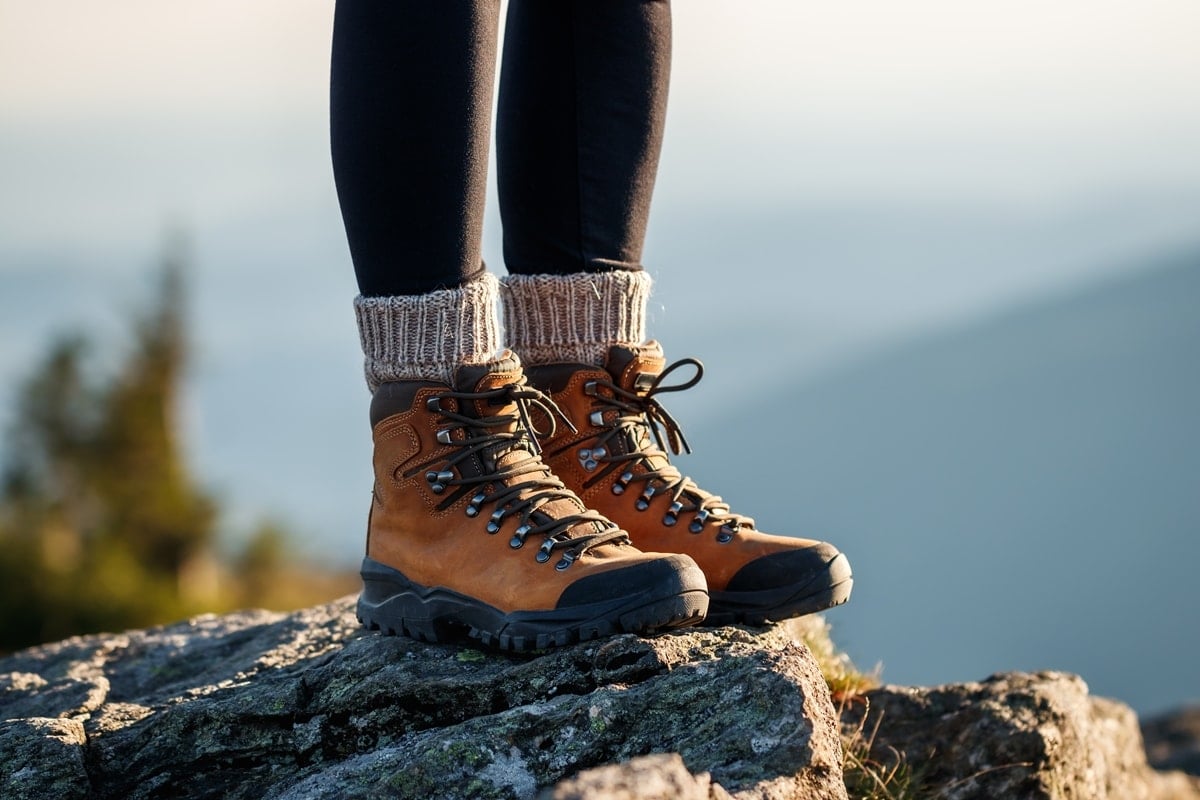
394 605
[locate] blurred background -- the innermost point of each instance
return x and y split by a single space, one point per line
941 260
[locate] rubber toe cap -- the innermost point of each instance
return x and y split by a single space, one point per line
796 567
660 577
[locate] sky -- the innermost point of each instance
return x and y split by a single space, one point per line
207 108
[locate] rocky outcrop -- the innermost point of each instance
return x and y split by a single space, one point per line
1173 740
662 776
307 705
1015 736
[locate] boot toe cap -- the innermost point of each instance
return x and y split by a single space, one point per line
819 562
656 577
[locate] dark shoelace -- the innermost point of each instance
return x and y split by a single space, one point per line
520 488
640 414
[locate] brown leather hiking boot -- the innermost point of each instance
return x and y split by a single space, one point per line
616 461
471 532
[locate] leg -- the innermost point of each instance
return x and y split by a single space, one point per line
459 482
583 98
583 92
410 106
581 117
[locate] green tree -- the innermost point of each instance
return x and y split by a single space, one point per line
102 525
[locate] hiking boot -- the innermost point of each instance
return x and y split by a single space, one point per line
470 531
616 460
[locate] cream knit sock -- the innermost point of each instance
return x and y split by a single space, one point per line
428 336
574 318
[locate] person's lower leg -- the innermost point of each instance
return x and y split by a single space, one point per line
575 195
410 105
459 482
580 122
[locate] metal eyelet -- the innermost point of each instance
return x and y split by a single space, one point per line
543 553
697 523
589 388
568 558
433 404
622 482
587 459
672 515
493 525
443 436
473 506
643 501
518 539
597 419
725 535
438 480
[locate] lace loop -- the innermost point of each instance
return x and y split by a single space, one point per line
660 420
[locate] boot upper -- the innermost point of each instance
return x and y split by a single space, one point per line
463 499
617 460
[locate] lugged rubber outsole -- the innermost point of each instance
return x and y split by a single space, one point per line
394 605
817 593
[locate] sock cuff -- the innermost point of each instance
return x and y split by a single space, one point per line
428 336
574 318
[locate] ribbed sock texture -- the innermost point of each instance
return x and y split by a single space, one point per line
428 336
574 318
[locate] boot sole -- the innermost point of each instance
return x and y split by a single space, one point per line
395 605
823 591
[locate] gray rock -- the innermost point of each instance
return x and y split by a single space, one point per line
302 705
662 776
1173 740
1015 736
42 758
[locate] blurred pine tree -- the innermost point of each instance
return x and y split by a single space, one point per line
102 525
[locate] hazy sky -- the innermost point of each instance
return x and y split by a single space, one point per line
1021 102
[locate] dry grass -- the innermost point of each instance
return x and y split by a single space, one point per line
867 777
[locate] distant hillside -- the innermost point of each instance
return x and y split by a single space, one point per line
1023 493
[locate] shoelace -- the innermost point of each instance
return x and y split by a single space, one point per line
641 414
520 488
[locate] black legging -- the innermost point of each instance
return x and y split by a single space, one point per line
583 92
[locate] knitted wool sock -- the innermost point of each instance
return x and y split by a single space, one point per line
428 336
574 318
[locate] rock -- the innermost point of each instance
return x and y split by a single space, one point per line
308 705
1013 735
1173 740
42 758
662 776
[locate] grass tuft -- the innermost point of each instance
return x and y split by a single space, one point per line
867 777
844 679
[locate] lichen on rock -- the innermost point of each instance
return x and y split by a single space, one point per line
256 705
1025 736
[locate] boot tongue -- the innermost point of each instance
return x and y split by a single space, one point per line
478 378
473 378
498 374
504 370
634 367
